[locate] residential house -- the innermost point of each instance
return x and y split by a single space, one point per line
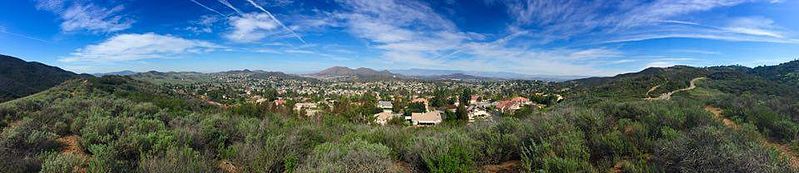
428 118
385 105
478 114
423 101
309 108
513 104
383 117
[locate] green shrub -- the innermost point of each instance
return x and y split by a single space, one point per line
356 156
103 159
718 149
177 160
61 163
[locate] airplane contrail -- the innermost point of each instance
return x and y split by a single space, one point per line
226 3
3 30
277 21
206 7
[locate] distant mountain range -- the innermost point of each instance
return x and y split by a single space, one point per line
339 72
118 73
495 75
19 78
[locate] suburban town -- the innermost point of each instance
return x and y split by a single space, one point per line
399 86
413 101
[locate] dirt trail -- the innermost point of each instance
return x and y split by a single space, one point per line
72 146
717 114
402 166
667 96
617 167
793 159
227 167
651 89
509 166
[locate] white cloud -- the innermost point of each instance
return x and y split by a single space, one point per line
277 21
408 31
275 3
50 5
229 5
251 27
203 25
693 51
620 21
757 26
207 8
127 47
80 16
660 64
411 33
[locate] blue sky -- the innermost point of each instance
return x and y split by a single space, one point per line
557 37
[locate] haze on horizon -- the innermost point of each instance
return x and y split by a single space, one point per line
572 37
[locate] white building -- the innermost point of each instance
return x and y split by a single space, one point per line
478 114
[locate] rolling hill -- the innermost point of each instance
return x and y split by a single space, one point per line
19 78
778 80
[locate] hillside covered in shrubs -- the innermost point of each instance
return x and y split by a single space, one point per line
736 120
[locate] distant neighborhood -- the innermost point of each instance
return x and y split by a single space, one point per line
375 97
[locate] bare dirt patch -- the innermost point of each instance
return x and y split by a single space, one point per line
402 166
651 89
509 166
793 160
227 166
717 114
617 167
72 146
667 96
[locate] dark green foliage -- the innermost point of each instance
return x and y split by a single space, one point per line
356 156
415 107
19 78
769 114
713 148
177 160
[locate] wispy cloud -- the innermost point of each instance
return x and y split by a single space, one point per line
277 21
128 47
411 33
203 25
757 26
5 31
694 51
79 15
229 5
659 64
622 21
250 27
208 8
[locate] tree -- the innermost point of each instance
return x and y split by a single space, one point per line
462 113
439 98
